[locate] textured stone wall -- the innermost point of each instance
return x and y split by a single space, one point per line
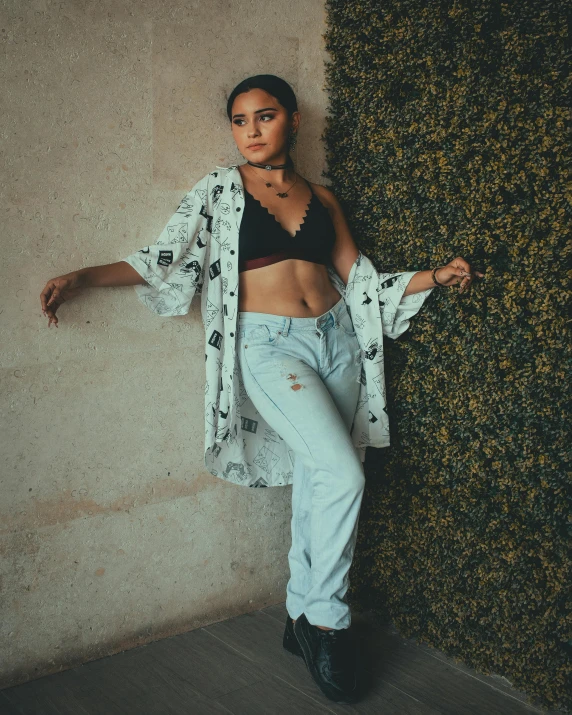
112 532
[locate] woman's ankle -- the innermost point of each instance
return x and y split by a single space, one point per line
323 628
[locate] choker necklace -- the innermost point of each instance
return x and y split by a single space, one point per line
281 194
270 166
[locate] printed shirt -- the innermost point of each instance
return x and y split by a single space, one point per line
197 252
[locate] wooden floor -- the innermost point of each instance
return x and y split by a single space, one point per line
239 666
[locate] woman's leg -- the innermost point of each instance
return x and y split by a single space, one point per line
342 382
299 557
281 376
325 601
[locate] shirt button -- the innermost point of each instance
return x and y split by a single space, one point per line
232 335
232 253
232 292
238 208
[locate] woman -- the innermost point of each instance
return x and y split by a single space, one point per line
292 376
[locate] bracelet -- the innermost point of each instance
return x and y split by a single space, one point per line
441 285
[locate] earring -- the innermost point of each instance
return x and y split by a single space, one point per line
292 139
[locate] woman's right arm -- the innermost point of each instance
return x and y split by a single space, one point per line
111 274
59 290
166 274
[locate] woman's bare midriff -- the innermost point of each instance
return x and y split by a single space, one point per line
295 288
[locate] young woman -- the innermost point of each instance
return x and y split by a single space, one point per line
304 361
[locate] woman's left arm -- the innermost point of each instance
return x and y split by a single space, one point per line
345 253
457 271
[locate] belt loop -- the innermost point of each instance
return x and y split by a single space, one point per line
341 307
286 326
332 312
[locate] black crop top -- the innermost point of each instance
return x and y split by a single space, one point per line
263 240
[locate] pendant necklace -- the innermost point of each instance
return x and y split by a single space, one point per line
281 194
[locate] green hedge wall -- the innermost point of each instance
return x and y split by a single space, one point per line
447 135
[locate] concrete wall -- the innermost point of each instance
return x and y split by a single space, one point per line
112 532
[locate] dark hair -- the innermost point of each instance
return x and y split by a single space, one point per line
276 86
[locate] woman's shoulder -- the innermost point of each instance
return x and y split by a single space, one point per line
323 193
222 170
219 174
216 175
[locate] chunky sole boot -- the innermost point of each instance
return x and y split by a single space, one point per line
290 642
330 657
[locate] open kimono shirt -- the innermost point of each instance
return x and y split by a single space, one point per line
197 252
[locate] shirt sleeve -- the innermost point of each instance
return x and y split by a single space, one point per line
174 267
395 308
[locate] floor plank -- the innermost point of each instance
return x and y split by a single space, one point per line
272 696
430 677
239 666
258 636
6 707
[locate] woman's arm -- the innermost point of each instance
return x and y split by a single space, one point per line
62 288
345 250
111 274
457 271
345 253
166 275
422 280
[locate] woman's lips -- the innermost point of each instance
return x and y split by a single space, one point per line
255 146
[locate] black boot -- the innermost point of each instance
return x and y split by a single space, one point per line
331 659
289 641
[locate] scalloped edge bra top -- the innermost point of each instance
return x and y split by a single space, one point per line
263 240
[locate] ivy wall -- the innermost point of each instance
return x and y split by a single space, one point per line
448 135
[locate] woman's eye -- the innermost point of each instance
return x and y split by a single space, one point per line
271 116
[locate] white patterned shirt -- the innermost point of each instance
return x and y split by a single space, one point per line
197 252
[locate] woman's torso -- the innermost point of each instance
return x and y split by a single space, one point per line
293 287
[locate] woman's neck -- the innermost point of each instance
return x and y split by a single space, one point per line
279 178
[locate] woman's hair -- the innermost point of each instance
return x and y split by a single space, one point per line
276 86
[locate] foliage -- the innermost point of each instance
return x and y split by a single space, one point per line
447 136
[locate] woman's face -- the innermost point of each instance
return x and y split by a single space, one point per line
258 118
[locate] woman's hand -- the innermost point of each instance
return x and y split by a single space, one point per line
57 291
457 271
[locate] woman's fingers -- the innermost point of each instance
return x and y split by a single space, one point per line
52 319
55 295
469 276
49 297
46 294
49 303
50 313
56 292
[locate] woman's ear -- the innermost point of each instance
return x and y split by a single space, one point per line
296 121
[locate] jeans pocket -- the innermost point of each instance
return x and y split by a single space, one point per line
261 334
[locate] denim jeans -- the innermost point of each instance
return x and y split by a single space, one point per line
302 375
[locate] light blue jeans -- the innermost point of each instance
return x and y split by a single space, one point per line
302 375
